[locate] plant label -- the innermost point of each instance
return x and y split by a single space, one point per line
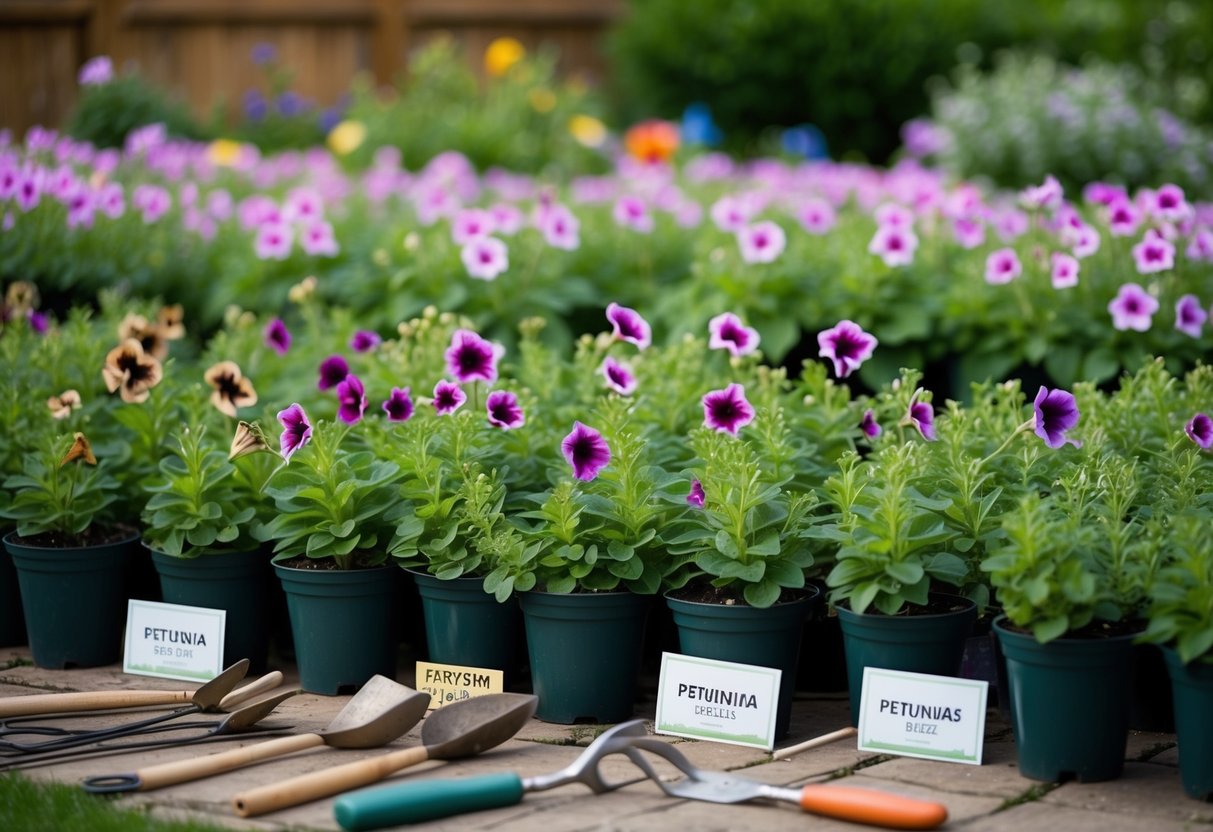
172 641
919 715
447 683
707 699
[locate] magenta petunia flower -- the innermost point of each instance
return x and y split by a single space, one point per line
1046 195
970 232
296 430
1123 218
1084 241
896 246
1154 253
1056 412
274 241
38 322
816 216
277 336
560 228
317 238
448 397
96 71
632 212
1170 204
727 410
399 405
472 358
351 399
893 215
485 257
730 213
696 497
921 416
627 325
364 340
504 410
1132 308
727 332
152 201
471 224
619 376
585 450
1065 270
333 370
1190 316
1200 430
847 345
1003 266
761 242
870 427
1200 247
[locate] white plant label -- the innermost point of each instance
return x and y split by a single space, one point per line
727 702
172 641
919 715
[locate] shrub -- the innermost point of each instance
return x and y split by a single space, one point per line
105 113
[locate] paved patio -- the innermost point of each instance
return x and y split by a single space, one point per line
990 797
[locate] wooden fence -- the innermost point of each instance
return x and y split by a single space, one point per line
201 50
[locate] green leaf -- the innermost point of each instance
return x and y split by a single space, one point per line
1051 628
906 572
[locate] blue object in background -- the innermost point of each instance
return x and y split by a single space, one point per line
255 106
805 140
698 127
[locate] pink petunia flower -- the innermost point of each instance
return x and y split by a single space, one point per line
485 258
1190 316
727 410
1002 266
895 246
727 332
1154 253
1064 273
448 397
273 241
619 376
847 345
1132 308
761 242
628 325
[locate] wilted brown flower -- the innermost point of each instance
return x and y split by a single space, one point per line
150 336
21 298
80 449
249 439
61 406
231 389
171 321
131 371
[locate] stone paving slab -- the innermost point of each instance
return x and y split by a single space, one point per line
1149 797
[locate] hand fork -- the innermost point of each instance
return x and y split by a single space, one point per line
424 800
843 802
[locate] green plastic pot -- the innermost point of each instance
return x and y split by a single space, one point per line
1192 690
234 581
585 653
768 637
1069 704
12 617
343 625
931 644
464 625
1151 705
74 600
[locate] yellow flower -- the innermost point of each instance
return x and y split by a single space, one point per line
224 152
302 291
588 130
346 137
542 100
502 54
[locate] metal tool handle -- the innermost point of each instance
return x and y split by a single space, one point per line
325 782
868 806
195 768
426 800
54 703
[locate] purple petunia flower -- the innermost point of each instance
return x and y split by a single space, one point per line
1190 316
1154 253
277 336
333 370
1123 218
761 242
399 405
296 430
729 333
619 376
1084 241
586 451
1056 413
485 257
896 246
1170 204
560 228
364 340
351 399
1132 308
727 410
1002 266
1046 195
448 397
627 325
870 427
817 216
847 345
921 416
504 410
96 71
1065 271
38 322
632 212
274 241
317 238
1200 430
697 495
471 358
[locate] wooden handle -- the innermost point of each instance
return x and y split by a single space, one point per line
325 782
195 768
269 681
54 703
816 742
872 807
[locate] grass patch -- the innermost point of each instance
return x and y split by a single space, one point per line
1031 795
27 806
